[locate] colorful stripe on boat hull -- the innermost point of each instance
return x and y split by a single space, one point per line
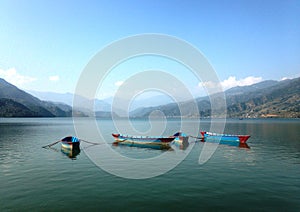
70 146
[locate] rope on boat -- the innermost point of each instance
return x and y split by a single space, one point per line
49 145
195 137
89 142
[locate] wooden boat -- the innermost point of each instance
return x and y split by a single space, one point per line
143 141
224 138
178 139
70 143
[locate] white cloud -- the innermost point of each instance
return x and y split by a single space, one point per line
54 78
290 77
232 82
284 78
119 83
12 76
209 84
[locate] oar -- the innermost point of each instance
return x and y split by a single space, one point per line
49 145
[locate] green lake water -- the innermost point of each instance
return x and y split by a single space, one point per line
265 177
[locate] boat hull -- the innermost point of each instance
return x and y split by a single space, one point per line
70 143
152 145
70 146
224 138
71 153
143 141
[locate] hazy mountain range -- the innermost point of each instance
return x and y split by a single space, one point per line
100 105
264 99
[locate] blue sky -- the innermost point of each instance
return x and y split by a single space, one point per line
44 45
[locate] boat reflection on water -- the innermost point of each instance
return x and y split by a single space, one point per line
245 145
240 145
183 146
71 153
236 144
181 140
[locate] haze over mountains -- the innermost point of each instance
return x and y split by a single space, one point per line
100 105
264 99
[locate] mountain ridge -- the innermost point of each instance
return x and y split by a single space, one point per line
265 99
11 96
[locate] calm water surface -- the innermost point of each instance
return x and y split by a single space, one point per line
265 177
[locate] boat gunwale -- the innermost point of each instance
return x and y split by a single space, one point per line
150 139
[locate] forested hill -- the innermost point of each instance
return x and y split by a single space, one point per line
264 99
281 99
15 102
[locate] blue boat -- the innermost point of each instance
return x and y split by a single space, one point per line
70 143
228 139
